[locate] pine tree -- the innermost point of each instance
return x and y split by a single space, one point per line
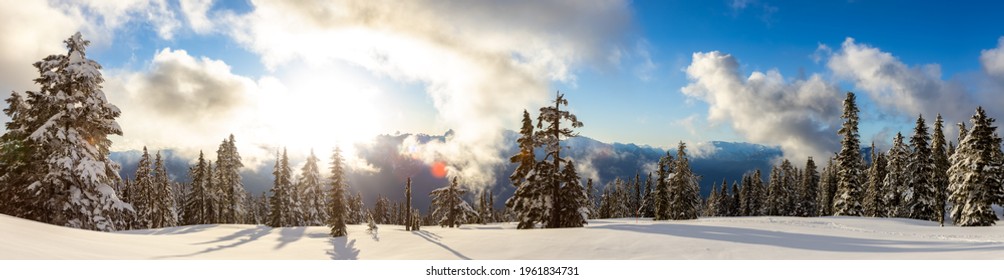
745 195
920 196
591 197
282 203
711 206
808 190
228 182
685 197
973 181
897 179
759 198
723 201
162 196
198 206
313 205
450 205
56 148
734 200
939 171
637 193
336 200
874 202
648 200
143 196
847 201
407 201
550 135
662 193
528 202
828 189
571 199
775 192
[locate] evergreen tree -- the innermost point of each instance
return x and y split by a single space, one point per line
847 201
920 196
711 206
874 202
528 202
550 135
228 182
939 172
571 200
897 179
199 206
662 193
685 197
807 206
973 181
407 201
745 195
142 196
648 200
450 205
313 204
55 150
828 189
162 197
282 204
637 193
734 200
591 197
724 201
775 192
336 200
759 198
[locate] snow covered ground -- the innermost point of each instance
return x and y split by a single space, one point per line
706 238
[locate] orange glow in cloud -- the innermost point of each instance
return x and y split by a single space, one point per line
438 169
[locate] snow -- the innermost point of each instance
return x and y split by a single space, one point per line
705 238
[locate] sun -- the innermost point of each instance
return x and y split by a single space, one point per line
321 110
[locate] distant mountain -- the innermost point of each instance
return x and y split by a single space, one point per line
716 161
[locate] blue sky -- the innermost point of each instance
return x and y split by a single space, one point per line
314 74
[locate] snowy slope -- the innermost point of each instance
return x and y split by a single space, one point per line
706 238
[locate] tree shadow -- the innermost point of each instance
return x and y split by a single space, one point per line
249 235
435 239
289 235
170 230
816 242
343 249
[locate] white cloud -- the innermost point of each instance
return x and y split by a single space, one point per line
195 12
992 60
482 62
799 116
893 85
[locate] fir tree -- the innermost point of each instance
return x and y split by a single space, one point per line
55 151
685 197
228 182
571 200
549 122
828 189
199 206
711 206
897 179
847 201
662 193
450 205
313 205
162 196
336 200
920 198
282 203
528 202
808 190
775 192
973 181
939 171
591 197
874 202
142 196
407 201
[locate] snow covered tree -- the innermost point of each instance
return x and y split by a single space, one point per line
164 213
571 199
973 181
847 201
283 207
591 197
450 205
827 188
56 148
920 194
711 205
528 202
313 204
336 199
874 201
939 170
775 192
199 203
662 195
648 199
685 196
228 182
897 178
806 203
142 195
407 201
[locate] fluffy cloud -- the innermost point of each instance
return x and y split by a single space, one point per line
993 60
799 116
894 86
482 61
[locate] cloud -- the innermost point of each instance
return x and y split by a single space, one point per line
195 14
645 68
799 116
895 86
481 67
35 29
992 60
